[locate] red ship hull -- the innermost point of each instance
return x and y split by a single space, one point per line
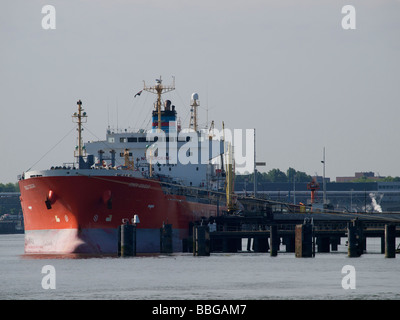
81 214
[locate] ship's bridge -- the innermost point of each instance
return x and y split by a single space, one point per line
187 156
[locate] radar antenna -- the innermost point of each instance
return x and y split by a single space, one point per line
193 117
159 89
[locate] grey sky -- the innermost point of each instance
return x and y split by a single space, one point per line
286 68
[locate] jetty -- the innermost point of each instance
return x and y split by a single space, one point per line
302 233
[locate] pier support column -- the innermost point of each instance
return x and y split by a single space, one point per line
390 241
248 244
185 247
166 239
304 240
260 244
383 244
289 242
355 244
274 240
231 245
201 241
225 241
323 244
127 240
335 241
363 243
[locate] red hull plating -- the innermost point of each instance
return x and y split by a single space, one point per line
83 213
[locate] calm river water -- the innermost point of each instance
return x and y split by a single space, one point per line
182 276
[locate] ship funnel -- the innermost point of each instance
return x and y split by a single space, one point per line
167 105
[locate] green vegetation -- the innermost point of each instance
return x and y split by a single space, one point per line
383 179
9 187
275 175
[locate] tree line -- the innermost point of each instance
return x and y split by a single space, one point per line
9 187
275 175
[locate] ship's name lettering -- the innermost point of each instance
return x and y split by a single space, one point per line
139 185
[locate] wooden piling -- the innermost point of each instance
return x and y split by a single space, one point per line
274 240
166 239
390 241
352 249
127 240
201 241
355 244
304 241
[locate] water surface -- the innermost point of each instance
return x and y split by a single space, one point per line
182 276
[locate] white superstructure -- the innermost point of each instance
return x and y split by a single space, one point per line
189 157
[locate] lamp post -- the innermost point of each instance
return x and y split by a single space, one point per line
256 164
294 188
323 181
351 200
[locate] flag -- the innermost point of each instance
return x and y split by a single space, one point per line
138 94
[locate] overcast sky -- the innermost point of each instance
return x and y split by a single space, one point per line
286 68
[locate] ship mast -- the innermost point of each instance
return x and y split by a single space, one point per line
159 89
229 180
79 118
193 110
230 173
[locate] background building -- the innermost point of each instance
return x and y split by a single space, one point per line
342 197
